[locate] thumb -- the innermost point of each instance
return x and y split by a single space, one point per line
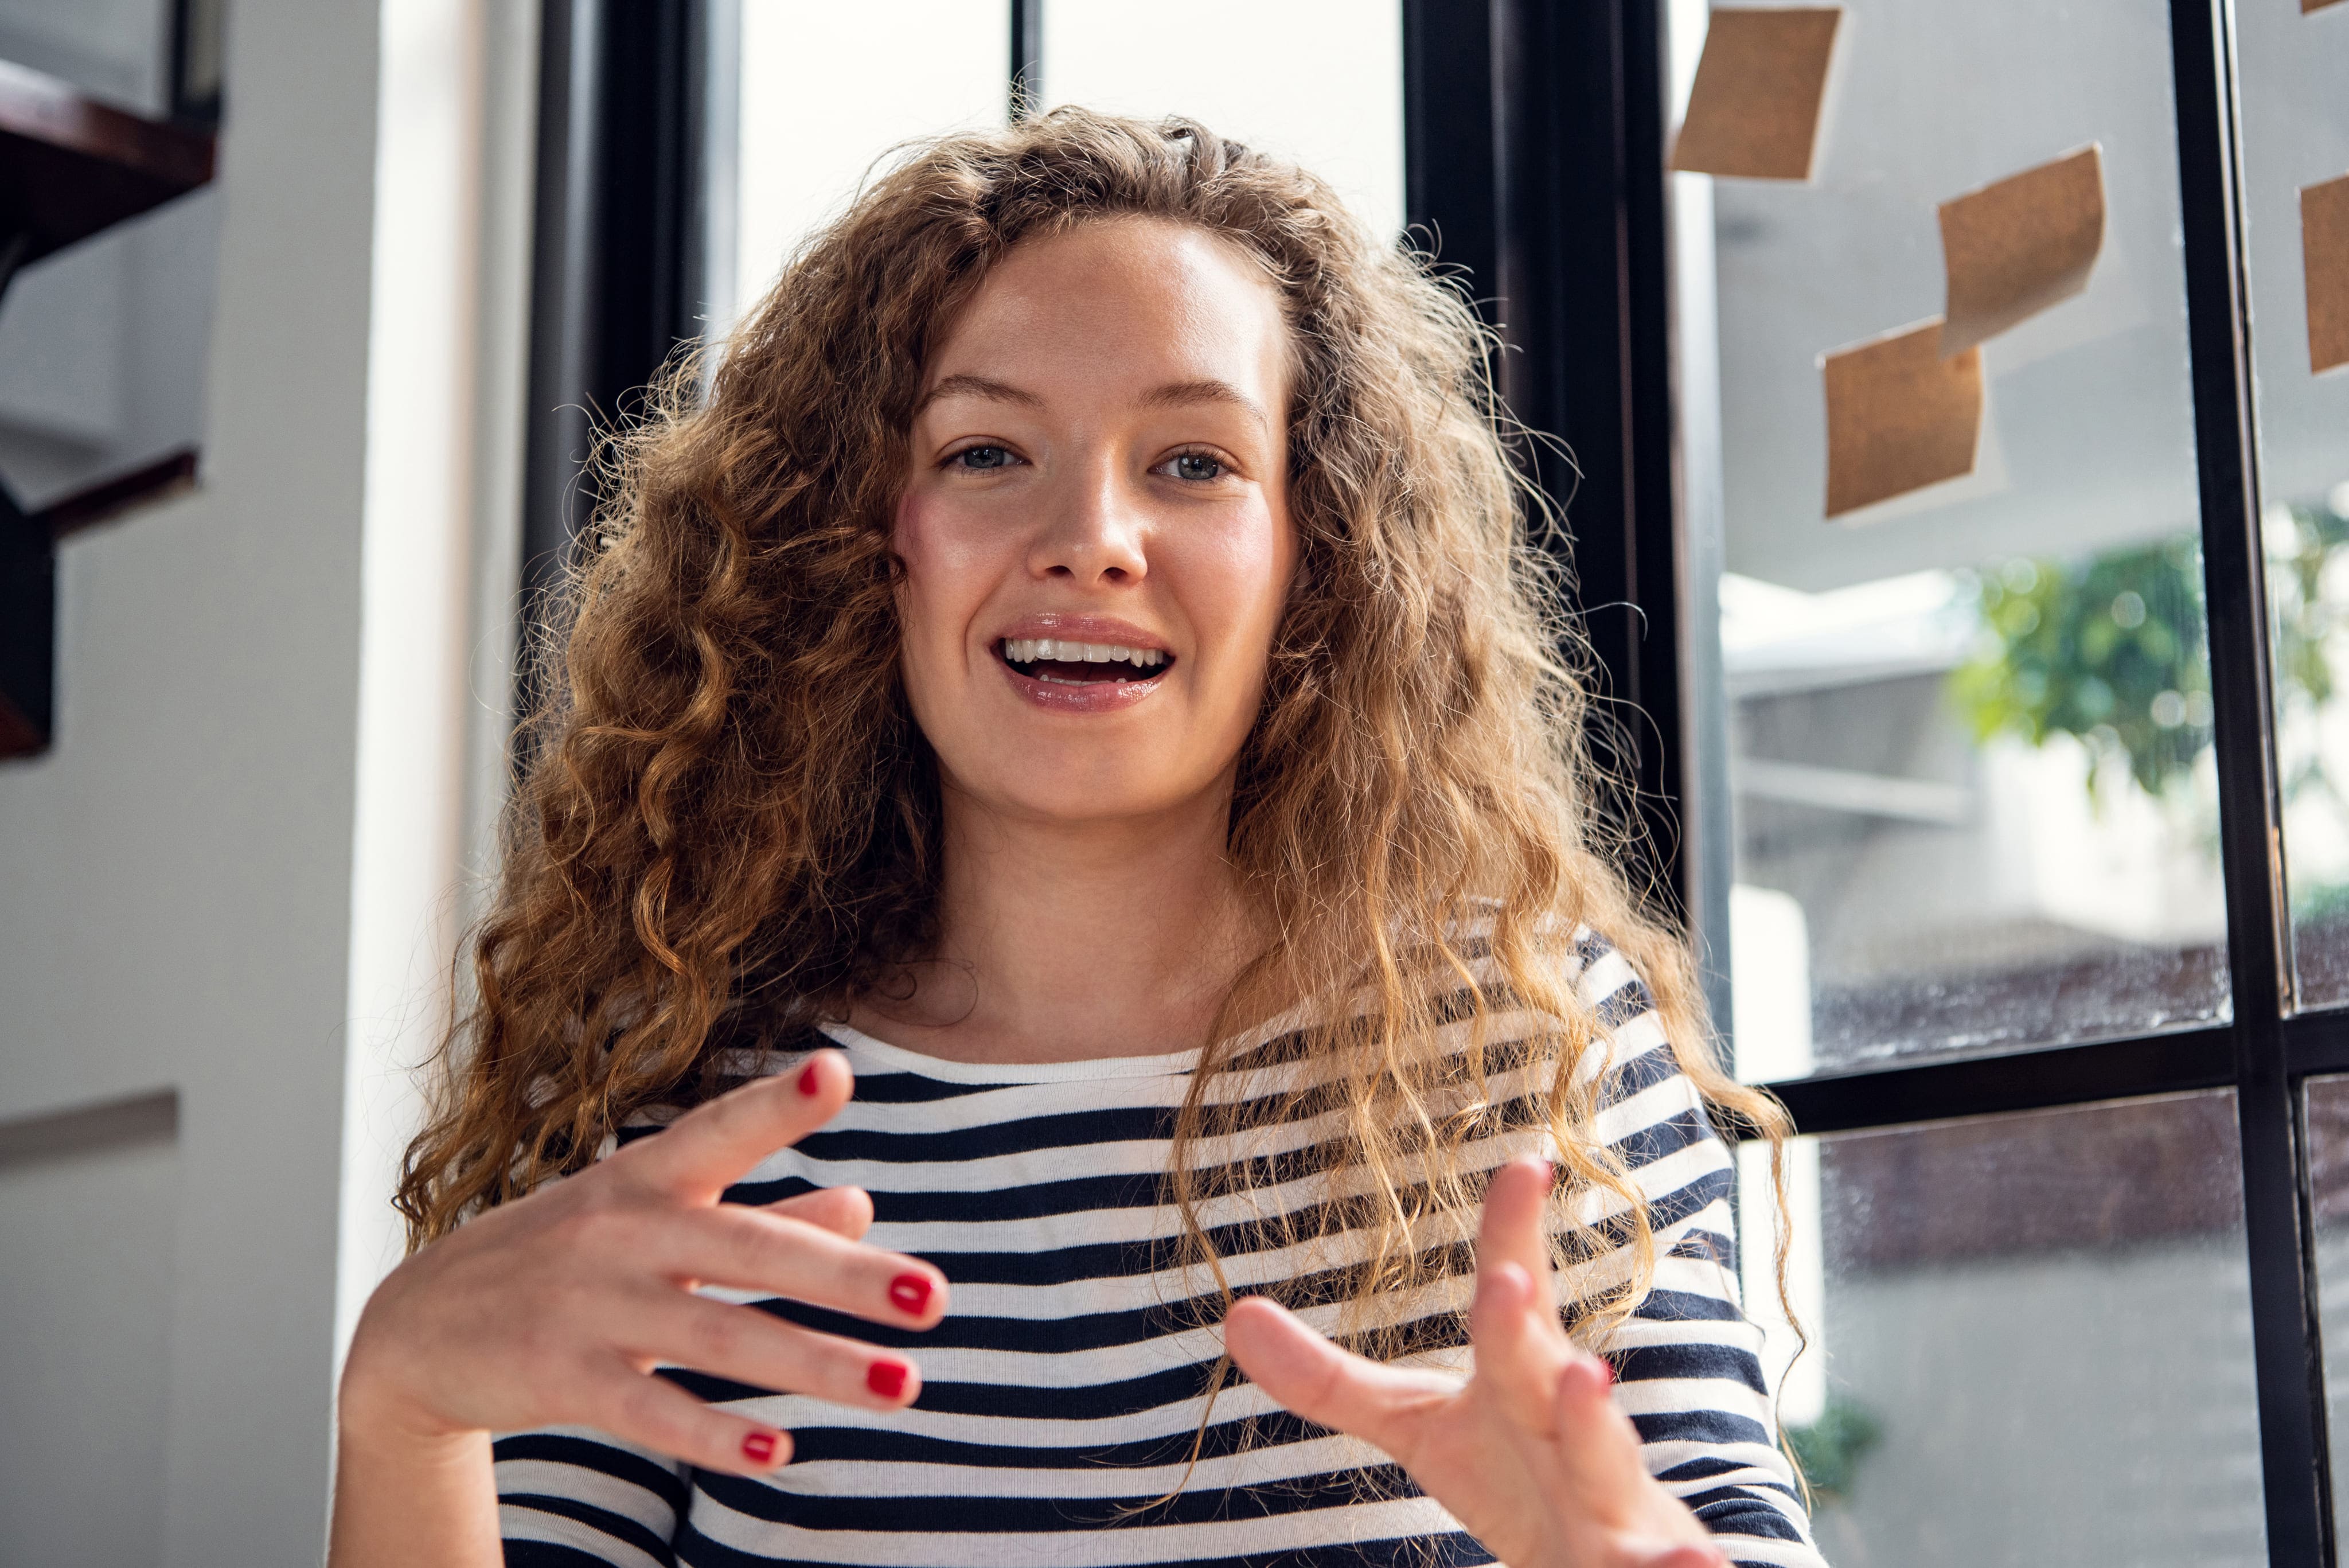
1304 1373
1687 1556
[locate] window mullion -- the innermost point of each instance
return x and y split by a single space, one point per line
2276 1222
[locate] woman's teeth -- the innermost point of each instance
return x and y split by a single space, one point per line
1033 649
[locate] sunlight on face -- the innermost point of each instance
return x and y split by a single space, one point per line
1095 528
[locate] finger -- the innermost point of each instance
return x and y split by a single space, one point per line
1511 1228
1517 1361
752 1249
1304 1373
641 1409
713 1146
1683 1557
746 1345
1597 1438
842 1210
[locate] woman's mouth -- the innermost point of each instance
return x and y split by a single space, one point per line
1058 661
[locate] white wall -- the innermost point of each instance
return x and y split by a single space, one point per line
86 1221
256 794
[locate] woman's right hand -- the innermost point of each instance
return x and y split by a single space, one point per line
555 1308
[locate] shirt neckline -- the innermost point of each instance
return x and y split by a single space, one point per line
1173 1063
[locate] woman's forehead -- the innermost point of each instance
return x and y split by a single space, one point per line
1146 300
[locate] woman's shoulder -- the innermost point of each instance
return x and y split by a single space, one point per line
1610 985
1597 1001
1571 942
1577 958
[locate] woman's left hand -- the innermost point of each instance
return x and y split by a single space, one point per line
1530 1454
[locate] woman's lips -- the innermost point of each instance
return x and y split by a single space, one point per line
1071 626
1082 688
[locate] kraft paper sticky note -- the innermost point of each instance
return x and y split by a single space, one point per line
1754 108
2325 261
2308 6
1901 415
2016 247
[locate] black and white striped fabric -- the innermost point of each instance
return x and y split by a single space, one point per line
1063 1393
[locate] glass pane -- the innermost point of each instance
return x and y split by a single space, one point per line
825 91
2295 140
1958 750
2030 1337
2328 1175
1340 116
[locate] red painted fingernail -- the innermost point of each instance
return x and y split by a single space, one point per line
910 1294
887 1378
811 1079
759 1447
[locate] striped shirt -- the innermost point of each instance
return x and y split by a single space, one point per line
1064 1392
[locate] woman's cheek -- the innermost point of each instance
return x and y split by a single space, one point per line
947 539
925 618
1251 567
1236 580
944 576
915 534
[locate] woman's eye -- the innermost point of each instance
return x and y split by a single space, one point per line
983 457
1195 466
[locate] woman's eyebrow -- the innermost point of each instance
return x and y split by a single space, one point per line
1172 395
1178 394
978 386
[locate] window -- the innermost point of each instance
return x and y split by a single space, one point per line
2328 1162
1971 792
2295 168
1986 1301
1342 119
1958 694
810 131
1979 758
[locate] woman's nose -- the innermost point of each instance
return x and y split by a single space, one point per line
1093 534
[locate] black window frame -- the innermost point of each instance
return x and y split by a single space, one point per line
1534 141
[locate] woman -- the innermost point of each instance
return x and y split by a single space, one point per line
1065 797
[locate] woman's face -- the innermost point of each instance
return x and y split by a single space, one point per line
1095 529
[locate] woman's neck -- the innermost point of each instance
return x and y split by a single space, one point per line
1060 941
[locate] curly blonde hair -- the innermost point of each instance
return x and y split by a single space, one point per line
732 826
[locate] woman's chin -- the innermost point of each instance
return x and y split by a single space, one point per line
1048 788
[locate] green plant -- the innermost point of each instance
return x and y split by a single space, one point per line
2109 650
1830 1450
2303 624
2319 903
